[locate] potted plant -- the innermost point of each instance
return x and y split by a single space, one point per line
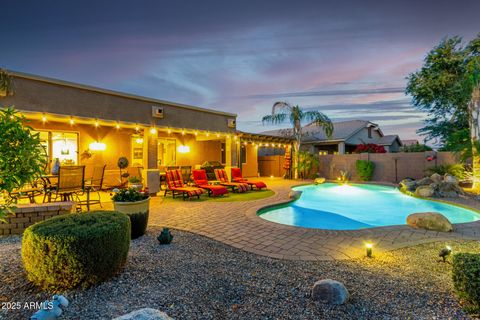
135 204
135 183
6 87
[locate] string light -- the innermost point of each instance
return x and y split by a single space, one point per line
153 130
117 125
208 134
72 122
183 132
96 124
44 119
137 128
169 131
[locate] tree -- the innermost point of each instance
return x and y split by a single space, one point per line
448 88
416 147
22 156
284 111
306 162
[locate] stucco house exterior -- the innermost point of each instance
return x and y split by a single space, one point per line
84 125
346 136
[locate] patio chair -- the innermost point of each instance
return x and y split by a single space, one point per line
237 177
29 191
94 184
175 186
222 176
70 183
201 181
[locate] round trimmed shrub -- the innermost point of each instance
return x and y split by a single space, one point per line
76 249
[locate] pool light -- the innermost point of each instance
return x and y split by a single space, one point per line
369 247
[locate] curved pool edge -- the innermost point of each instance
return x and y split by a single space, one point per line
255 213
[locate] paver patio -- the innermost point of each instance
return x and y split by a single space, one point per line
236 224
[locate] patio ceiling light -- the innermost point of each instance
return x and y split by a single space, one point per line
97 146
183 149
153 130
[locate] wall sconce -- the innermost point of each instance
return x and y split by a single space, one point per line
97 146
183 149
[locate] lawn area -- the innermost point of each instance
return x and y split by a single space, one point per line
199 278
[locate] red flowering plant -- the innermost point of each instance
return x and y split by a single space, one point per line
369 148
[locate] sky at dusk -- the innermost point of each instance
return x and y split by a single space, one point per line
348 59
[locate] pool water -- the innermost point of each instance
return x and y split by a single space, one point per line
357 206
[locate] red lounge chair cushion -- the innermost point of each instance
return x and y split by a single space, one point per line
215 190
221 175
175 183
237 177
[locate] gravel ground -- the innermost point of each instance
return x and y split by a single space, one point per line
198 278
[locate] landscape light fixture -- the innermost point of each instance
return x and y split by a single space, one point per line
444 253
369 247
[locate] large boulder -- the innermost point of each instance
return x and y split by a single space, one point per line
436 178
145 314
450 179
330 291
447 190
424 191
424 182
294 194
408 185
429 221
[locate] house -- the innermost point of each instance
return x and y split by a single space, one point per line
84 125
345 138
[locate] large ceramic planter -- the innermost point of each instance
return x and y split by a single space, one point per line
138 213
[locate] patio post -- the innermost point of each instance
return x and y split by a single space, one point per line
150 161
228 156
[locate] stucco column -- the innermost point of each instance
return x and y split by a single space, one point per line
229 155
150 161
341 148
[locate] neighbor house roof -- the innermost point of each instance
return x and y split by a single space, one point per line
388 140
342 131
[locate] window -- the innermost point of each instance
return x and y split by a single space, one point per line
61 145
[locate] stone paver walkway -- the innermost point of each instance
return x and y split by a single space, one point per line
236 224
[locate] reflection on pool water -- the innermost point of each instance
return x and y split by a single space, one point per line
357 206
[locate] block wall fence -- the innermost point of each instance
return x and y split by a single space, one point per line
389 167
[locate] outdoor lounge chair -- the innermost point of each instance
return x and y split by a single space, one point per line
221 176
237 177
175 186
201 181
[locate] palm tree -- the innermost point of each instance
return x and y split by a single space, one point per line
284 111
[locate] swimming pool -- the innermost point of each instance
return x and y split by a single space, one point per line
357 206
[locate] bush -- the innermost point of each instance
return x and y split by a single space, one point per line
457 170
416 147
76 249
365 169
369 148
466 277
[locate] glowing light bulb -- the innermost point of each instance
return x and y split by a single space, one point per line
96 124
183 132
44 119
72 122
153 130
137 128
169 131
117 126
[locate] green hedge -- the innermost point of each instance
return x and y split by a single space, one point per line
139 223
365 169
76 249
466 277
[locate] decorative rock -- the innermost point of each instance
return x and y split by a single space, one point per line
294 194
424 182
319 180
448 190
450 179
424 191
408 185
436 178
330 291
145 314
429 221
